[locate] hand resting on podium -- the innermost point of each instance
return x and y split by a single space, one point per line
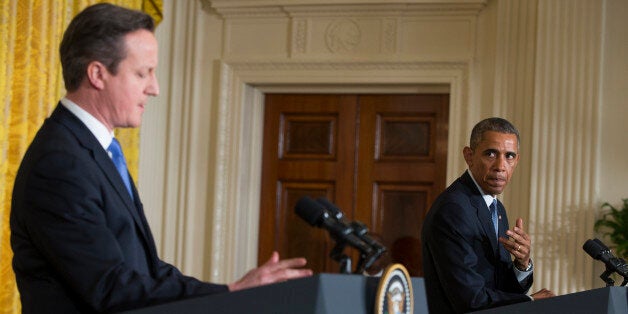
542 294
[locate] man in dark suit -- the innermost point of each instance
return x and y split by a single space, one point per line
80 239
467 266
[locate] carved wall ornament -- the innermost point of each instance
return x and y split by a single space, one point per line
300 36
342 36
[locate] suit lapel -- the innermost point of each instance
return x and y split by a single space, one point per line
486 221
90 143
110 171
142 221
482 212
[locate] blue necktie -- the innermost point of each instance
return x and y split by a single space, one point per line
493 209
120 162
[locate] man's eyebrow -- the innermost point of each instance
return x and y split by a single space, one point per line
494 150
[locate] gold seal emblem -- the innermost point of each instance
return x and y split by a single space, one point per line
394 292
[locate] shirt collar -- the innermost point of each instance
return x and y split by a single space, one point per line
97 128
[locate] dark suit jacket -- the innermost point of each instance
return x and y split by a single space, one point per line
80 243
465 267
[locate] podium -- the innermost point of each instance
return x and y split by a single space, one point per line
609 300
319 294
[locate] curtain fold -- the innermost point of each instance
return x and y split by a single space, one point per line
30 86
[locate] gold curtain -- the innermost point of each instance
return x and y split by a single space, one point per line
30 86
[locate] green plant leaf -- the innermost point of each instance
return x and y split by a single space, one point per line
614 225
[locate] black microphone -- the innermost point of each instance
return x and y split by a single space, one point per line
596 249
596 240
335 211
360 230
316 215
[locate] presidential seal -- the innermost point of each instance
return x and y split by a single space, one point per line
394 292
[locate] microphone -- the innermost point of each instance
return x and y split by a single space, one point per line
316 215
335 211
359 228
596 249
362 231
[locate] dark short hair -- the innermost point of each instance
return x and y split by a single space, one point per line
491 124
96 34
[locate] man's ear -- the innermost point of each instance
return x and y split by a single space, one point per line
96 73
467 152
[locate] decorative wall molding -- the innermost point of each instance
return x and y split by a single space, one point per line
300 37
342 35
390 33
425 30
339 65
295 8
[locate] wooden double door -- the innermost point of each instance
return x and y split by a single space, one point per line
380 158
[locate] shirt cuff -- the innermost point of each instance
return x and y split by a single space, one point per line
523 274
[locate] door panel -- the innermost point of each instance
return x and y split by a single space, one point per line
401 167
308 150
380 158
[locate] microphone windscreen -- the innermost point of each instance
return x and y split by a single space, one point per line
309 210
593 248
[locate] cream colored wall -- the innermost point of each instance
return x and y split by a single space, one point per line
200 144
613 165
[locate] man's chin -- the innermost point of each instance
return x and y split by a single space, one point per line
133 124
495 190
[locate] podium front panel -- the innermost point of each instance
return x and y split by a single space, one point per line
319 294
609 300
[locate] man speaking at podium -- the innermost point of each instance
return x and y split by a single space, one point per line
80 239
466 243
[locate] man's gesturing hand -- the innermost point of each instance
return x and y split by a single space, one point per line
274 270
519 244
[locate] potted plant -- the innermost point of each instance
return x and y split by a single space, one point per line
614 225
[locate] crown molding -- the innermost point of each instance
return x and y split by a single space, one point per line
295 8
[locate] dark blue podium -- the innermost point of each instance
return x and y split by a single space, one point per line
319 294
609 300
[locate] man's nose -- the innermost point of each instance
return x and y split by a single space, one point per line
500 163
153 87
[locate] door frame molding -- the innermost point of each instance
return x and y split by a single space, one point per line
240 114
